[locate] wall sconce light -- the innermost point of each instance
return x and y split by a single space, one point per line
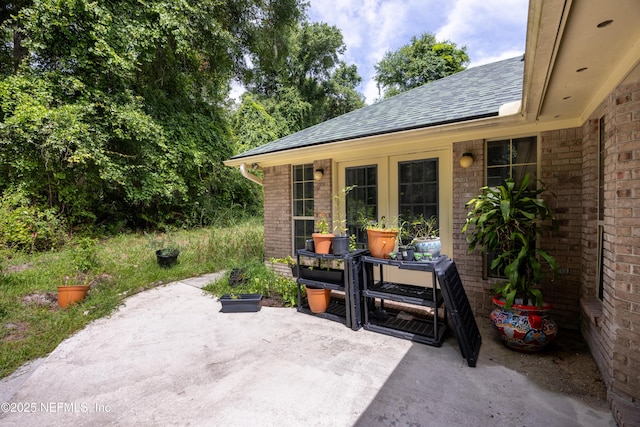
318 174
466 160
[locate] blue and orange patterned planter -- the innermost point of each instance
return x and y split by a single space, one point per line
524 328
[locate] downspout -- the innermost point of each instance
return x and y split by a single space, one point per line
250 176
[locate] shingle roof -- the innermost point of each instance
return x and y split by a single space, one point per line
470 94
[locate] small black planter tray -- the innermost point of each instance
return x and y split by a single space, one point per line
322 275
240 303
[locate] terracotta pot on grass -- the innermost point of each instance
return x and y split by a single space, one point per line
68 295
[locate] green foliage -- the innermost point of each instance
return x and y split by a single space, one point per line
261 280
312 84
113 112
85 256
26 227
507 220
116 267
422 61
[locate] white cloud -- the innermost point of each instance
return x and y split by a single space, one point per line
491 29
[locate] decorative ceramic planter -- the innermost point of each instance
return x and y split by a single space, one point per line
240 303
381 242
428 246
318 299
525 327
322 242
68 295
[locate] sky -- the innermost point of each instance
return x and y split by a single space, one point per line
490 29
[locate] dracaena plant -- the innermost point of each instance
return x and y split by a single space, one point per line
507 220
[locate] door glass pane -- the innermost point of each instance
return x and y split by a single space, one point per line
418 187
362 200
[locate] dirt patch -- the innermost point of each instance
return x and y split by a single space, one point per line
14 331
18 268
42 299
565 366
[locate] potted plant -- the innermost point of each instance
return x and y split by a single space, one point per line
322 239
341 242
288 260
166 249
506 221
425 236
72 293
381 235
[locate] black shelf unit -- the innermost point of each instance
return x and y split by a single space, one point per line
347 310
423 330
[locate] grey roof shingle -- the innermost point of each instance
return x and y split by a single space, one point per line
470 94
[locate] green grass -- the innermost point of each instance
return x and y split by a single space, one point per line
117 267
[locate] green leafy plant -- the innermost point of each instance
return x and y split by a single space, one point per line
421 228
323 224
366 223
507 220
340 200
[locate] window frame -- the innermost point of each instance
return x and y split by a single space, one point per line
487 258
306 218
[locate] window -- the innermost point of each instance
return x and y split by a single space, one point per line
601 154
512 158
418 189
362 200
303 221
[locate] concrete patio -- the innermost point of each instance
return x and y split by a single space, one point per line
170 357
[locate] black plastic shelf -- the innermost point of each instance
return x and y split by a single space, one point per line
417 329
407 265
404 293
321 285
336 311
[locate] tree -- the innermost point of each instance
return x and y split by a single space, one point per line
117 112
312 84
422 61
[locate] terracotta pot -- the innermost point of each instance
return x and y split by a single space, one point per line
322 242
68 295
318 299
524 328
381 242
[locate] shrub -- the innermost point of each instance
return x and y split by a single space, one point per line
27 227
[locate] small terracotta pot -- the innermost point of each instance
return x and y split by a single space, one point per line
318 299
322 242
68 295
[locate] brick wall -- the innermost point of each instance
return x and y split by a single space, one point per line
595 322
622 223
277 212
561 172
322 200
466 185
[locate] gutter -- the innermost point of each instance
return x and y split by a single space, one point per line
250 176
